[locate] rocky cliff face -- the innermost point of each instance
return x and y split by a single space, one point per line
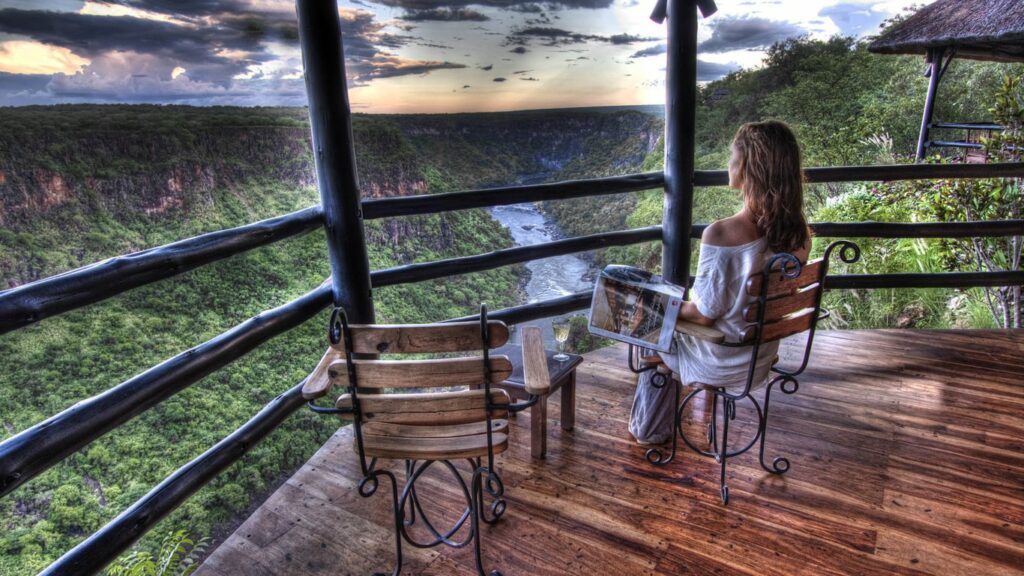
69 167
135 172
483 150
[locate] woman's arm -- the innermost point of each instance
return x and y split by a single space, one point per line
689 312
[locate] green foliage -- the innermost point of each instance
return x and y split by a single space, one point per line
580 339
178 556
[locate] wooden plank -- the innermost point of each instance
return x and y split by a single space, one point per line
451 431
536 378
783 328
432 373
699 331
779 285
451 448
437 408
319 382
776 308
422 338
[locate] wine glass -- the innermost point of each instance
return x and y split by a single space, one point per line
561 329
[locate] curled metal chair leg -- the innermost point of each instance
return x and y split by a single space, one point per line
479 484
788 385
368 487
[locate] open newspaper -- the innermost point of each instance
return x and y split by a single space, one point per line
631 305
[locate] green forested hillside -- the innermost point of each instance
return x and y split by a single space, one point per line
82 183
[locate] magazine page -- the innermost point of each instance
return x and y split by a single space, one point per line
630 305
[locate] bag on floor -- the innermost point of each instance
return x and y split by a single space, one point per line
650 420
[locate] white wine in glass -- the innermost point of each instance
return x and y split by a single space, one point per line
561 329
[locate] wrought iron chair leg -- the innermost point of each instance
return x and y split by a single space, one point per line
780 464
477 514
713 427
410 516
728 413
368 487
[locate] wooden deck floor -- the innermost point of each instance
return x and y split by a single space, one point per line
907 451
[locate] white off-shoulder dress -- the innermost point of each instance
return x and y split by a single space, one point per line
719 291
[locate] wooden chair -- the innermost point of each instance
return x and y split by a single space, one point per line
469 423
787 302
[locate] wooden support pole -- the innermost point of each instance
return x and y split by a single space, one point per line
330 120
680 117
934 58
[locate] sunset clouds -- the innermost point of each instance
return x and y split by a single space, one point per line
401 55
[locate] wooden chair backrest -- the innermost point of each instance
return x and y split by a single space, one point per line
434 408
790 304
422 338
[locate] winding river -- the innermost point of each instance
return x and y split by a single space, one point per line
551 277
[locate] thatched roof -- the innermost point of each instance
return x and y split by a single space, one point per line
977 29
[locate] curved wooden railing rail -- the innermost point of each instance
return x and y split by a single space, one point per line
39 447
32 302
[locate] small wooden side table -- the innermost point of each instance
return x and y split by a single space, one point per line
563 376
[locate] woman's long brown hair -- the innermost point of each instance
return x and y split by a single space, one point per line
772 181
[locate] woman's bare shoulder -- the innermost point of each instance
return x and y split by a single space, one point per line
731 231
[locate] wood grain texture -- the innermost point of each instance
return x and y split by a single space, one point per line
699 331
450 431
319 382
536 378
422 338
436 408
776 308
789 326
416 448
907 452
433 373
779 285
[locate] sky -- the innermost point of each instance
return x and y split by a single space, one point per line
402 56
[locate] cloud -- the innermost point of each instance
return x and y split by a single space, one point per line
550 36
853 18
530 79
519 50
707 71
445 15
129 76
499 79
516 5
527 8
201 47
629 39
652 51
223 49
743 33
23 83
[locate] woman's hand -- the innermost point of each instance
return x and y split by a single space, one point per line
689 312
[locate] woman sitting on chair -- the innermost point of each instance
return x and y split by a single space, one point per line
765 166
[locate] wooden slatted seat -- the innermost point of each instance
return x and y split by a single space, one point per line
445 409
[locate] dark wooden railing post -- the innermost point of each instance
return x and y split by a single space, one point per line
935 70
680 118
330 120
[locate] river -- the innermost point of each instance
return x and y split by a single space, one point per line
551 277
